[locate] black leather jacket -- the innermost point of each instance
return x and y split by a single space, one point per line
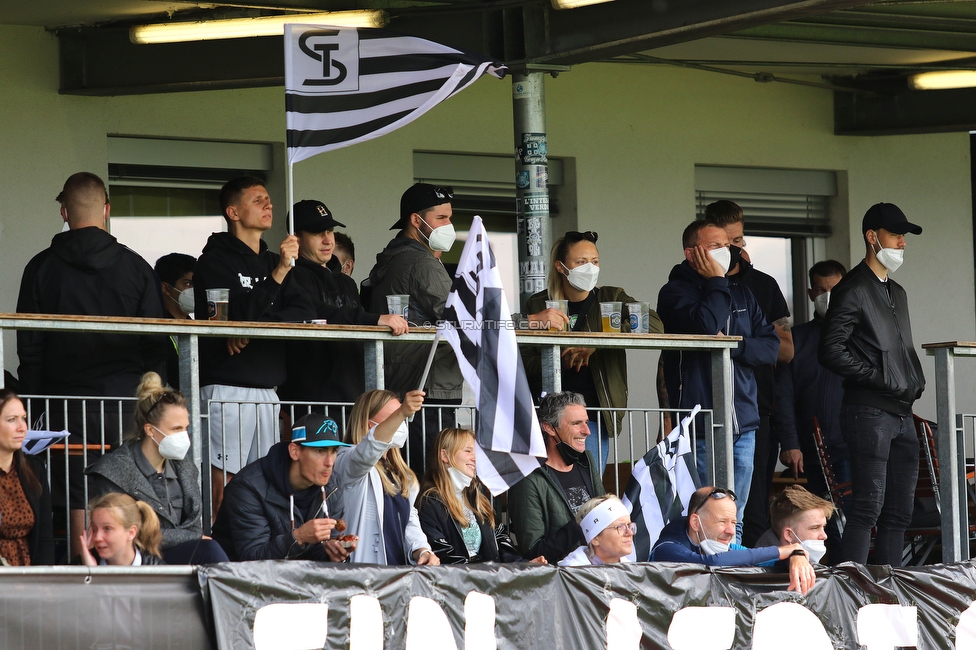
867 340
446 540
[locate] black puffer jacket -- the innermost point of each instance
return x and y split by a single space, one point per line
867 340
254 521
446 541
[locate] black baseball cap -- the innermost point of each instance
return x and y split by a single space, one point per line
890 217
421 196
316 430
313 216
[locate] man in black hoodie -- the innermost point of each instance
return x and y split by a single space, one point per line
339 373
87 271
237 375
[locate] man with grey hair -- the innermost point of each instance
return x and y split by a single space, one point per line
543 505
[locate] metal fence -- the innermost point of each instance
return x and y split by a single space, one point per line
642 425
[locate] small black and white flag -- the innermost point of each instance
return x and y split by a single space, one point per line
661 485
345 85
478 325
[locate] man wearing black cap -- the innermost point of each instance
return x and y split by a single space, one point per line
339 365
279 507
867 339
410 265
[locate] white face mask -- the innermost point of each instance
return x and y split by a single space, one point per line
186 301
723 256
459 478
815 548
400 437
710 546
583 277
441 238
174 446
890 258
821 302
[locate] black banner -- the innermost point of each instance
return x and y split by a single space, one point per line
686 607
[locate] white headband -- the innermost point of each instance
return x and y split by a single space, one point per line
599 518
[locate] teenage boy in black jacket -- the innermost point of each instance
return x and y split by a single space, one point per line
236 370
867 340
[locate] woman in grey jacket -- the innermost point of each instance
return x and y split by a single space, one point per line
154 467
378 487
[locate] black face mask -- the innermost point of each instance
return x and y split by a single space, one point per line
736 255
569 454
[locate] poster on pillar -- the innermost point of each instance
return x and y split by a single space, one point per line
532 150
291 604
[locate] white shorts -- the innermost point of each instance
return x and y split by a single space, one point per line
243 424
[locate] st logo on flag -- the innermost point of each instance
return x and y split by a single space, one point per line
325 59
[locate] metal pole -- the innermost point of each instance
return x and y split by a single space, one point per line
955 527
531 181
373 360
720 461
189 350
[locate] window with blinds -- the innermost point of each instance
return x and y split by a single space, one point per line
776 202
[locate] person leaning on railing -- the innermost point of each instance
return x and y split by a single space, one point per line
154 467
600 375
26 536
454 513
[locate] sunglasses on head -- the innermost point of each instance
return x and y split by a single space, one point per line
444 192
574 236
716 493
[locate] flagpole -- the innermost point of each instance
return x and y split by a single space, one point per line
291 200
430 362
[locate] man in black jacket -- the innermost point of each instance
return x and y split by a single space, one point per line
237 375
867 339
86 271
339 365
279 508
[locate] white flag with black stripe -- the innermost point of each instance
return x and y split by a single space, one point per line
661 485
345 85
478 325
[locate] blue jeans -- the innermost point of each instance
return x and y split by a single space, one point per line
883 450
598 445
743 457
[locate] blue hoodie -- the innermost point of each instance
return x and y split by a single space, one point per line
691 304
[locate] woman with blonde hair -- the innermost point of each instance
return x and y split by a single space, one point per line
608 532
154 466
378 487
454 513
121 531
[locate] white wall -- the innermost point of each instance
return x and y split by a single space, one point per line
636 134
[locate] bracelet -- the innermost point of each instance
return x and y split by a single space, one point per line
798 551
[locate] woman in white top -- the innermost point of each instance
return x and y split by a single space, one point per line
608 532
122 532
378 488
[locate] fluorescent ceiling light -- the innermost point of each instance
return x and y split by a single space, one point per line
208 30
573 4
943 80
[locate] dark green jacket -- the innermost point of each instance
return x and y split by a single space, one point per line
609 367
541 517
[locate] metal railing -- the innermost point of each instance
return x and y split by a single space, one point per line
188 333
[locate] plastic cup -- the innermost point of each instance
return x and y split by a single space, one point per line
563 306
634 316
398 304
610 314
645 318
218 304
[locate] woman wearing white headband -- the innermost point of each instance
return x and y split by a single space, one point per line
608 531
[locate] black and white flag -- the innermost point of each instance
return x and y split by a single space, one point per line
478 325
345 85
661 486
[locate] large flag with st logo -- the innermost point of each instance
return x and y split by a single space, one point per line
345 85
